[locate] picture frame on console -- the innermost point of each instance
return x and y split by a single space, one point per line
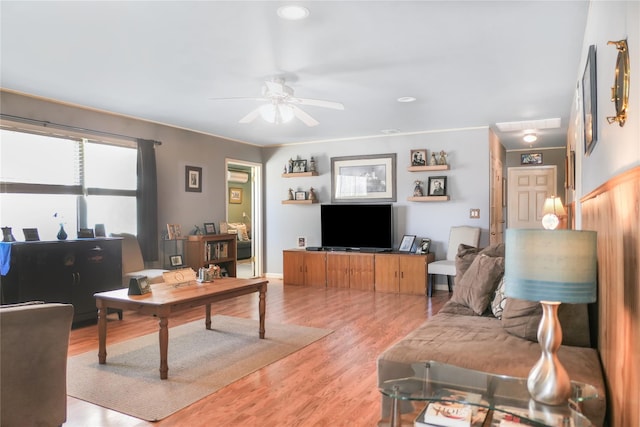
209 228
366 179
407 243
425 246
176 260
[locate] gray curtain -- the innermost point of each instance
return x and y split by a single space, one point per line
147 200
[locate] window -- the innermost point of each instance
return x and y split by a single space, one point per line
48 180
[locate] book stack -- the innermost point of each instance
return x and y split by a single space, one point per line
453 408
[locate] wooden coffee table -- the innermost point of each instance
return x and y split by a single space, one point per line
166 299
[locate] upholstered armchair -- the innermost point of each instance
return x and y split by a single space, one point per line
34 341
132 262
447 267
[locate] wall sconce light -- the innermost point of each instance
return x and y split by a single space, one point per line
551 212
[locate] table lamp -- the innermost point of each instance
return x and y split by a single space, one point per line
552 267
551 212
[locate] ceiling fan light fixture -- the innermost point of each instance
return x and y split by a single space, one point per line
293 12
530 137
276 113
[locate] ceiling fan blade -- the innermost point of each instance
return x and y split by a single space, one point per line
306 118
251 116
318 103
240 99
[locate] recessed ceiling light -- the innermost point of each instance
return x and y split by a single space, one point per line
293 12
406 99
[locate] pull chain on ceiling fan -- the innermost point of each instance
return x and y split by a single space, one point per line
281 106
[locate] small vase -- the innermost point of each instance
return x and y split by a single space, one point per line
62 235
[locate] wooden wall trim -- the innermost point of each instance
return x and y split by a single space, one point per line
630 175
613 211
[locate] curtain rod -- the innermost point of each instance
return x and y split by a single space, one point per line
46 123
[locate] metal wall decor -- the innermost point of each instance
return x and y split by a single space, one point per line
620 89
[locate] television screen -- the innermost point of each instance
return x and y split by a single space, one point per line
357 226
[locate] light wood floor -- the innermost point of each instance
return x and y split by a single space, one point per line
331 382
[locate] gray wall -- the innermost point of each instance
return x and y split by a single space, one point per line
468 186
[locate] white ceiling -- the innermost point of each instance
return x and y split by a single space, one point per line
469 64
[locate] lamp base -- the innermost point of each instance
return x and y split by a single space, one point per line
548 381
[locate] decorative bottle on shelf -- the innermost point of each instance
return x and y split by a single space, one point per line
62 235
312 165
432 162
417 190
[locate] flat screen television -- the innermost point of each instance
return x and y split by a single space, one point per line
365 227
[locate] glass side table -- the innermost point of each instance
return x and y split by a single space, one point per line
500 395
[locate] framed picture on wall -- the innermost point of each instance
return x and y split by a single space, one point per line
235 195
193 179
589 102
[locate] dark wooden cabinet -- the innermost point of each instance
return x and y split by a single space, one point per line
64 271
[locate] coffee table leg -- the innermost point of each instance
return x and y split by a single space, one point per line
102 333
262 307
164 347
207 318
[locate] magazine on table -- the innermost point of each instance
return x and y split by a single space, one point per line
515 417
454 409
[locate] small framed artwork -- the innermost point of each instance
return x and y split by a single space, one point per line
31 234
173 231
139 285
437 186
176 260
235 195
299 166
531 158
589 102
209 228
193 179
418 157
301 195
407 243
425 246
302 242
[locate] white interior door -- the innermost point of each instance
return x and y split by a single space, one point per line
528 187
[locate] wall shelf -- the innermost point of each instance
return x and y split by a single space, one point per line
299 202
428 168
299 174
428 199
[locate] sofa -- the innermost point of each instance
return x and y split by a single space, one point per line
244 239
481 329
34 341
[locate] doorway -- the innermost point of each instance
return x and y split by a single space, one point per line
244 181
528 188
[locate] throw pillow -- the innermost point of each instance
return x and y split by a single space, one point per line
521 318
499 300
478 283
242 232
464 258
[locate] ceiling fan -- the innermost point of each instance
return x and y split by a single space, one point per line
281 106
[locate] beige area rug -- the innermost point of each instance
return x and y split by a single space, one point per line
200 363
